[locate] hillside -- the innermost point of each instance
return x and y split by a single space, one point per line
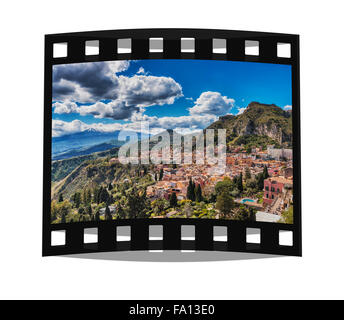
269 122
61 168
94 173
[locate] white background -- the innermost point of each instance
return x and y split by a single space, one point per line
25 274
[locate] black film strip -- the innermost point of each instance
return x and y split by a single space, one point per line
141 44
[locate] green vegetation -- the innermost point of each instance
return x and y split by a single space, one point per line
259 125
287 216
62 168
251 141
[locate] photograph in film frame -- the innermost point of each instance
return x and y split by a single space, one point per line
176 130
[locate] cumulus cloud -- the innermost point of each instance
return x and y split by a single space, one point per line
117 110
60 127
87 82
93 82
183 124
148 90
65 107
212 103
192 122
288 107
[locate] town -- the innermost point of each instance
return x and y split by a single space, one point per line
269 203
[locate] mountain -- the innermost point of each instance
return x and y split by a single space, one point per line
257 121
75 152
84 139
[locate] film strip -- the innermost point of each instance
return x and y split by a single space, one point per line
140 44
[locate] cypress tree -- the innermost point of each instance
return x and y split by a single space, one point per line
260 181
198 193
240 185
247 174
173 200
108 215
60 197
77 199
265 173
190 194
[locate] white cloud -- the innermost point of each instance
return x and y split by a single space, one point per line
134 94
183 125
118 66
212 103
65 107
241 110
141 71
288 107
60 128
116 110
148 90
87 82
92 82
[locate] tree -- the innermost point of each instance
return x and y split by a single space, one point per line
60 197
225 204
198 193
89 210
110 187
260 181
287 216
244 214
212 198
239 183
63 218
265 173
108 215
89 196
81 210
226 185
97 216
247 173
155 177
120 212
161 174
104 195
252 215
190 193
173 200
159 205
77 199
137 203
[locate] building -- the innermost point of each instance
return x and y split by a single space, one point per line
288 172
273 187
280 153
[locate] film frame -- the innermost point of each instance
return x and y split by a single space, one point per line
139 228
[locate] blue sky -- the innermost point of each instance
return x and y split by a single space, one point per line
103 94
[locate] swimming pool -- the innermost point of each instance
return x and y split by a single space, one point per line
246 200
